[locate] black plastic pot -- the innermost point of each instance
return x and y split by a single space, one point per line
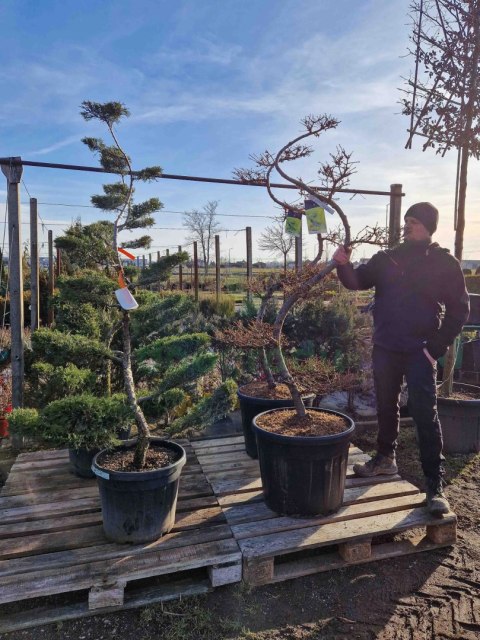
139 506
81 459
460 420
303 475
251 407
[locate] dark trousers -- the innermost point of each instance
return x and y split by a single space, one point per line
389 367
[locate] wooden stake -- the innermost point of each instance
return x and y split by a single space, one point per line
298 254
180 271
217 268
395 212
248 231
13 173
34 267
51 279
195 270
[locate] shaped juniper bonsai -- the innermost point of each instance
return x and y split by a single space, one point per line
195 362
333 175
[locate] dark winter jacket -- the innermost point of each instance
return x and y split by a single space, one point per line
420 296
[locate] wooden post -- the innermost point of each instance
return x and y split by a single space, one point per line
34 267
158 256
58 264
217 268
249 260
13 173
180 271
144 262
138 262
395 215
167 252
298 254
195 270
149 259
51 279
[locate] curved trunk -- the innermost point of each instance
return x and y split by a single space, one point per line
143 430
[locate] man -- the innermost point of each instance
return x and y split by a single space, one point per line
421 304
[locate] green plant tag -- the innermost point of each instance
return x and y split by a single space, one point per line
293 223
315 214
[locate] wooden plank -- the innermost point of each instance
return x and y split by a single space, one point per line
245 484
81 577
199 445
253 520
215 449
47 454
86 505
138 598
303 566
188 519
61 560
191 486
57 541
354 494
338 532
250 529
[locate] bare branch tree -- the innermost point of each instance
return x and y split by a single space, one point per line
442 98
276 241
202 226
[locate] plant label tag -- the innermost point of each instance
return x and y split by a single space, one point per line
315 214
293 223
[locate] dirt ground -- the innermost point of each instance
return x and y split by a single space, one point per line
432 595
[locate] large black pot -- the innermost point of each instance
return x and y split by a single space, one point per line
251 407
139 506
460 420
303 475
81 459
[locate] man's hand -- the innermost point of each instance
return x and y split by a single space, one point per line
342 255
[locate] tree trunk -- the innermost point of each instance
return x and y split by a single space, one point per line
142 426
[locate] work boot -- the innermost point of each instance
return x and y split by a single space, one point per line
379 465
437 503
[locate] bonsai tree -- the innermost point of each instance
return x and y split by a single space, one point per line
334 175
118 199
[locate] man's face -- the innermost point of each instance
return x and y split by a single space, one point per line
415 231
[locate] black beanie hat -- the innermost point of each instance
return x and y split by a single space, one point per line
426 213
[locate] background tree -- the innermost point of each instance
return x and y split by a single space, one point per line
202 227
443 100
276 241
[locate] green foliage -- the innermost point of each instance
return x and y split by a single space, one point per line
162 317
162 269
24 422
179 375
225 307
87 247
85 421
208 410
92 287
172 348
83 319
326 329
59 349
49 382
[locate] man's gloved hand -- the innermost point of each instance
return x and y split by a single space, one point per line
342 255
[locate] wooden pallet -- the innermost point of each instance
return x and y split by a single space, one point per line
276 548
52 541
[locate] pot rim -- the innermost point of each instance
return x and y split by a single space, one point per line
310 394
133 476
305 440
473 402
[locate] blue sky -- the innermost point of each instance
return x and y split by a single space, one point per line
208 83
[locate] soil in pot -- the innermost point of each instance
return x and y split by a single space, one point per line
139 506
257 397
303 462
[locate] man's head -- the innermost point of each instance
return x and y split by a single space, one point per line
421 222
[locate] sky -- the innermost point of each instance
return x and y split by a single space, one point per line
208 83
